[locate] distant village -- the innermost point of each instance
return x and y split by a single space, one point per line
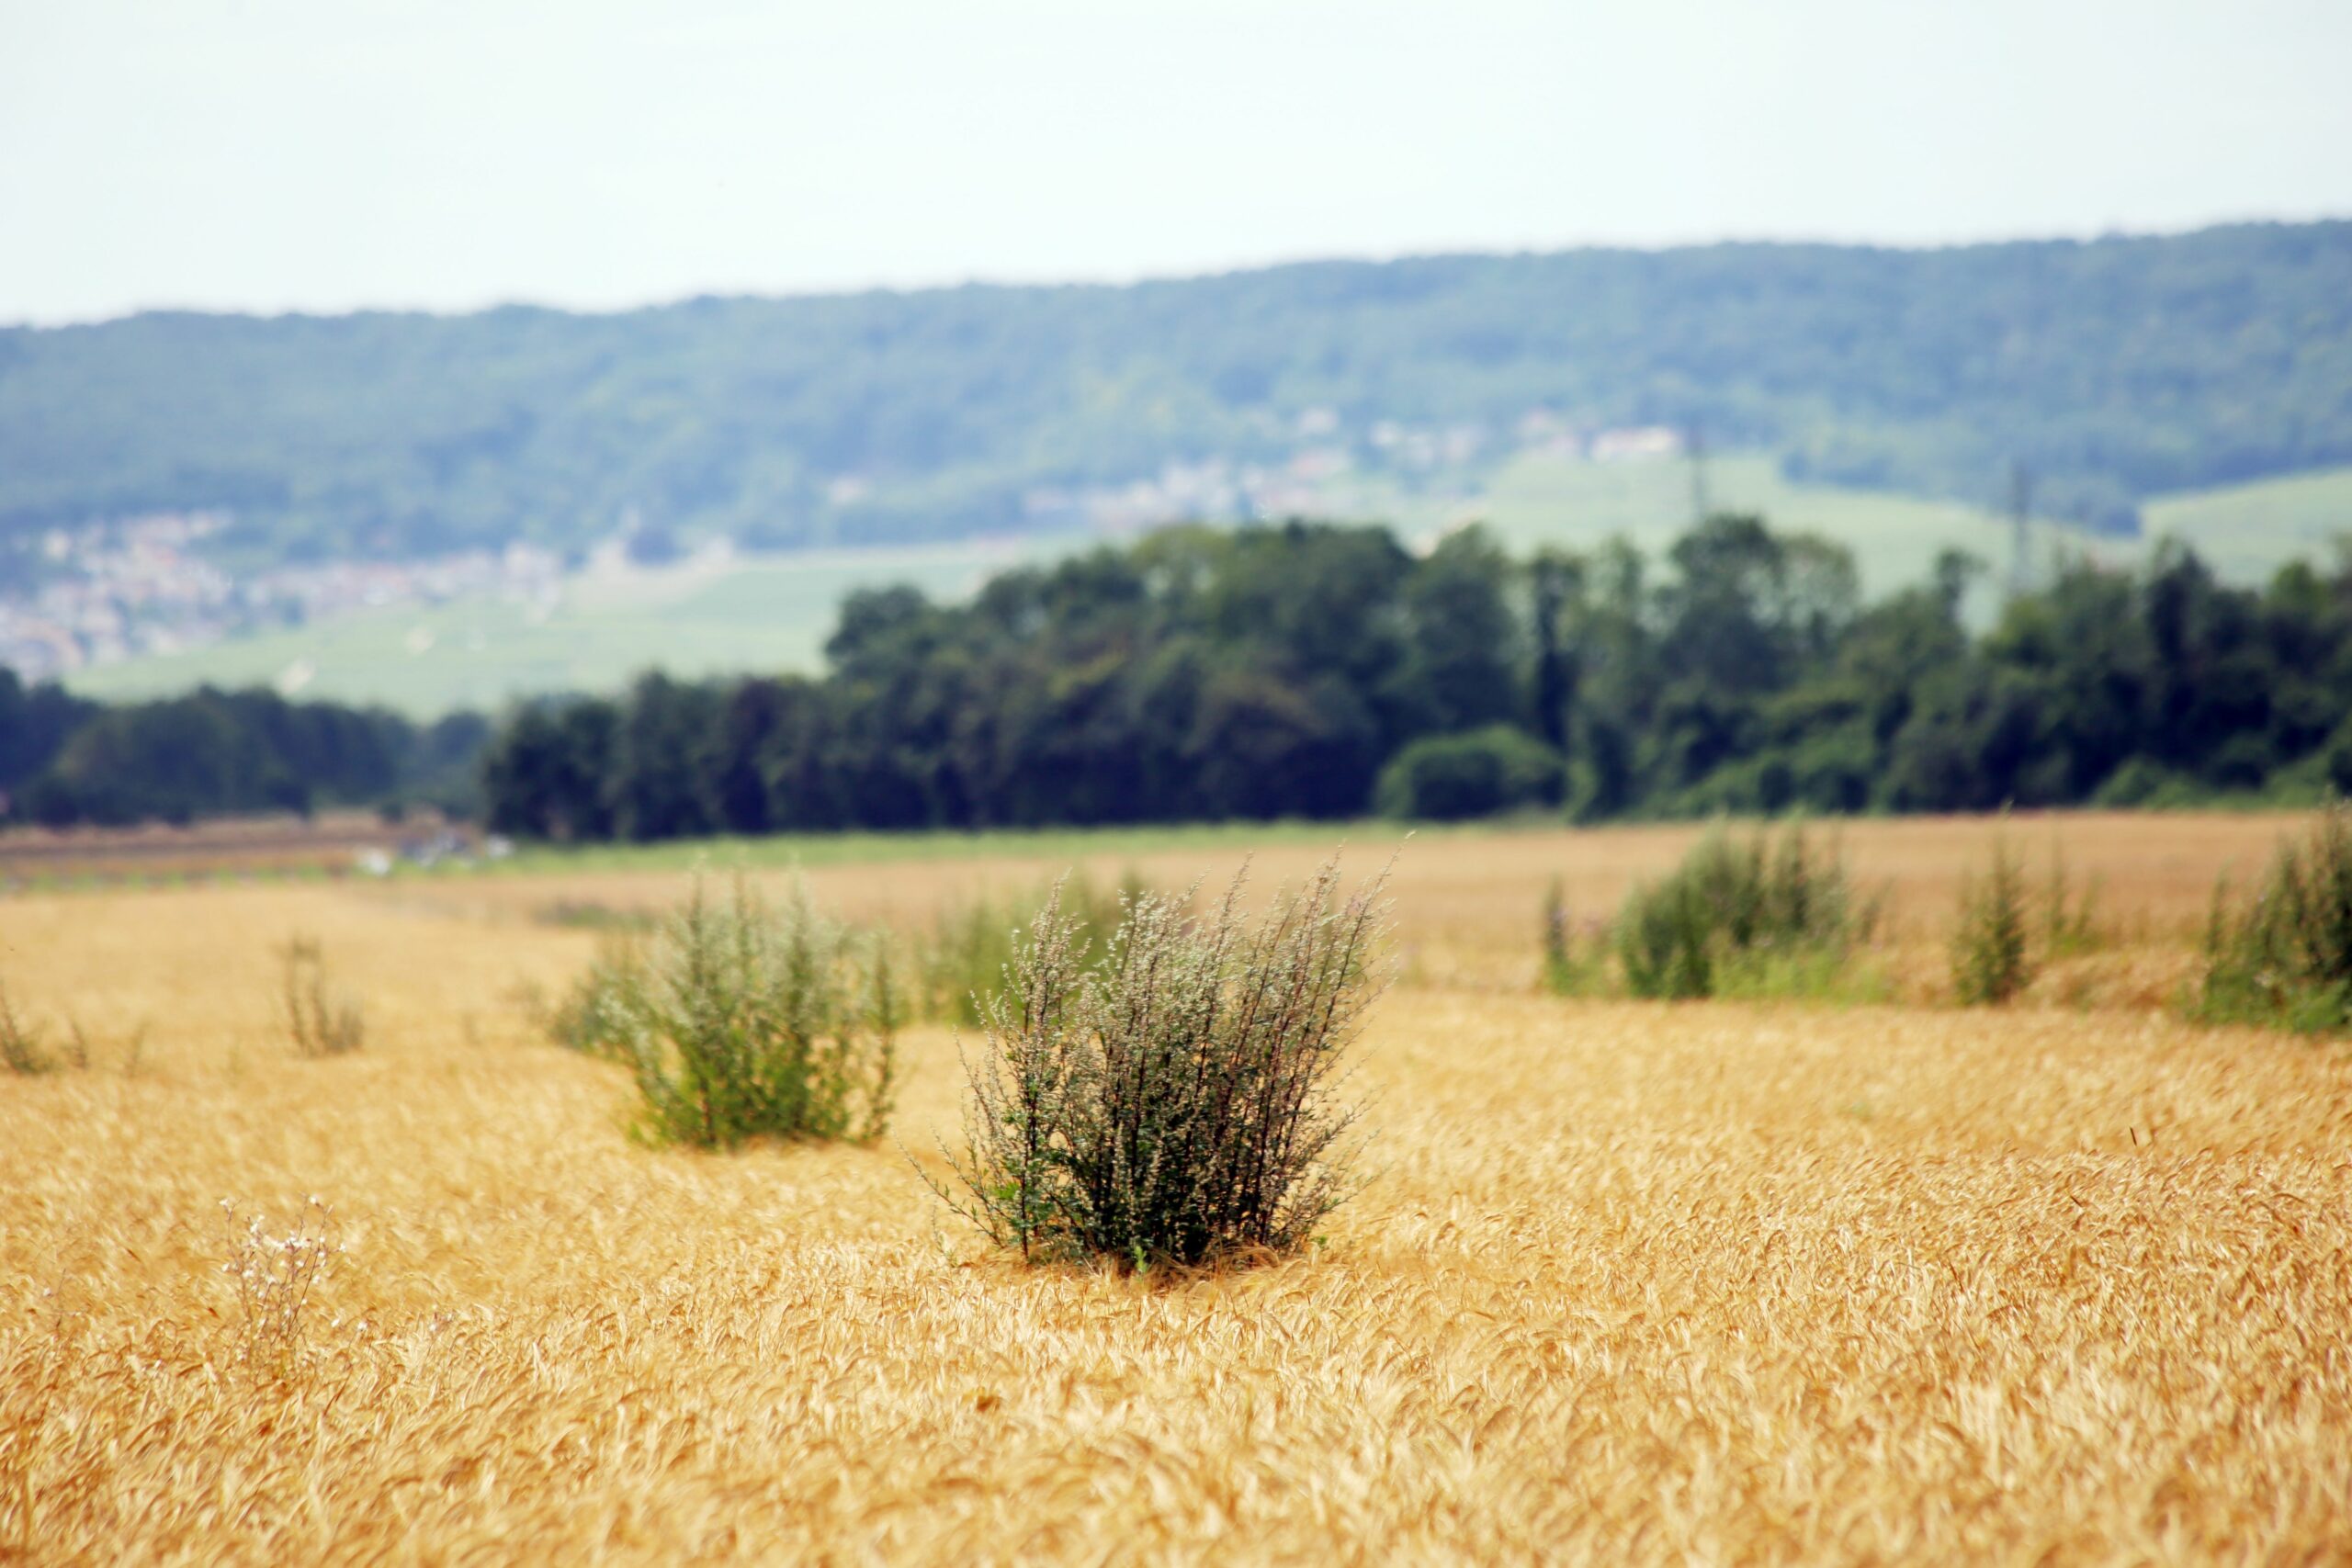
1215 489
144 585
147 586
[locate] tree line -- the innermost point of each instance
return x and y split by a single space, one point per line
1321 670
64 760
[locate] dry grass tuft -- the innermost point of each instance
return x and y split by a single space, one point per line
23 1052
321 1018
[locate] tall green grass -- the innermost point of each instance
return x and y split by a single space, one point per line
1739 914
2073 924
1757 915
2284 959
1050 845
965 957
2002 943
1574 962
742 1019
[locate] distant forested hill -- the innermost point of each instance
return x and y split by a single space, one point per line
2115 369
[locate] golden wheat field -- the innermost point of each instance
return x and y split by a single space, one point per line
2065 1282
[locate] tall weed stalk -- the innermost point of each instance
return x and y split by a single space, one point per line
22 1050
1572 968
322 1020
1991 962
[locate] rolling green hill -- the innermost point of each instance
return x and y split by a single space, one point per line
2115 371
2247 530
1896 538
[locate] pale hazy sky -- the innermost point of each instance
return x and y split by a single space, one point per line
323 155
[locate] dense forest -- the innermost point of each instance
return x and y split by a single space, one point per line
1320 671
212 753
2114 369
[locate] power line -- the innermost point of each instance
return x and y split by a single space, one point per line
2020 528
1695 442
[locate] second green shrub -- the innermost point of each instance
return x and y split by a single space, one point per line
742 1019
1737 910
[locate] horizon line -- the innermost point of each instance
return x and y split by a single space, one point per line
720 293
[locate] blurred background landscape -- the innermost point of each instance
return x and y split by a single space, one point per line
436 513
422 368
681 688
